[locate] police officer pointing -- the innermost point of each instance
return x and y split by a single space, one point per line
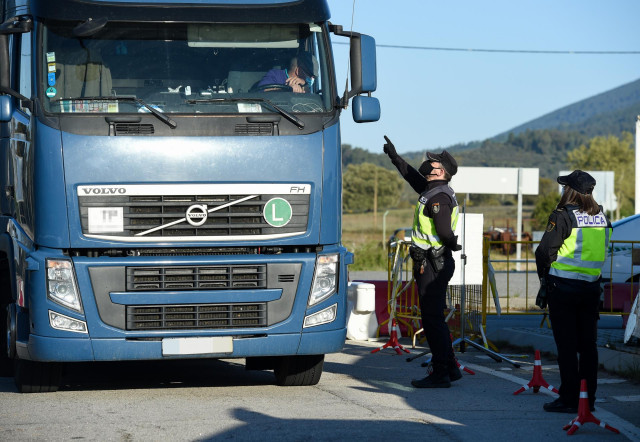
432 241
569 261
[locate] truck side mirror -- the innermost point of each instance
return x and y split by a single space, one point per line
363 64
365 109
6 108
362 58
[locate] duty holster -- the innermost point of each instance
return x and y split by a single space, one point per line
436 257
421 257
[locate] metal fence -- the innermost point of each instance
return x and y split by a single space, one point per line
403 298
509 286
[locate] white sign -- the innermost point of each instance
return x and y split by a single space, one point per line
495 180
473 227
604 192
105 219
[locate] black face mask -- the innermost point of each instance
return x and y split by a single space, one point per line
426 168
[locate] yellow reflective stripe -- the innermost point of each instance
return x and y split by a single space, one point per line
582 254
573 268
595 236
424 229
572 274
454 218
568 247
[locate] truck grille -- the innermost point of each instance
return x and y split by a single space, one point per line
196 277
147 216
173 317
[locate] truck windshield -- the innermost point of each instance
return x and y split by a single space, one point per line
186 68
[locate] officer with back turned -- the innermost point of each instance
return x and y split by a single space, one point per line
569 259
432 243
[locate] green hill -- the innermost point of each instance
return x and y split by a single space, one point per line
543 142
608 113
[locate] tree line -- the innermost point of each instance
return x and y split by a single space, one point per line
371 182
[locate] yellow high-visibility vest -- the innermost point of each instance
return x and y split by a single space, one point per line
583 252
424 233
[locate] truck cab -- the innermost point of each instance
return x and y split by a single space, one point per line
159 198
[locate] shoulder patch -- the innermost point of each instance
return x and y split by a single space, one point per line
551 226
435 207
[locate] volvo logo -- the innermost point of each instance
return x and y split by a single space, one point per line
104 190
197 214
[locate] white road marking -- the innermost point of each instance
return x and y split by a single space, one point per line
625 427
632 398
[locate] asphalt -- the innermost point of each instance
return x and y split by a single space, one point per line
533 331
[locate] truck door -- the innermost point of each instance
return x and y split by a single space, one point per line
15 146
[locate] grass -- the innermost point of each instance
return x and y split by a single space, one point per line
631 372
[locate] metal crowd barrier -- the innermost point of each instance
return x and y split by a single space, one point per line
512 288
498 294
403 299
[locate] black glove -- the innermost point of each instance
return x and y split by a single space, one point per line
389 148
456 247
541 299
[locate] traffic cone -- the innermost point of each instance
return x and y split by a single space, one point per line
584 414
427 363
462 367
537 381
393 340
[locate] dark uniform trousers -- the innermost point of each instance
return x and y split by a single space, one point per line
432 288
573 310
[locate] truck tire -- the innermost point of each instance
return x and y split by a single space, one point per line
298 370
37 377
6 364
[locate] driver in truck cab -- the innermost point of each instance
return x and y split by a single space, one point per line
299 76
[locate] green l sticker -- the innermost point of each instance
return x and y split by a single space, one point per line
277 212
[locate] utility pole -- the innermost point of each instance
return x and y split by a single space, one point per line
519 219
375 197
637 196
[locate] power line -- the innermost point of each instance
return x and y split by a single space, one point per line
508 51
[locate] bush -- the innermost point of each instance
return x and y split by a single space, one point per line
371 255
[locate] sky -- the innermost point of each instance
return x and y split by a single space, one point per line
432 99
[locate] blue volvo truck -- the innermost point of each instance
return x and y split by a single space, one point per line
159 200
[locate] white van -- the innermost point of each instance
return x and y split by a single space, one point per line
624 268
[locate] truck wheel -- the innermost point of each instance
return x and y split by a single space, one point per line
298 370
6 364
37 377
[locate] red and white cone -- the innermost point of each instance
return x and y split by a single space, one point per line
462 367
393 340
537 381
584 414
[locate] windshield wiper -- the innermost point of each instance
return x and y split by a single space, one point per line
161 116
295 120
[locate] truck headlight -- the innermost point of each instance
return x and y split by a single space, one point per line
62 322
322 317
61 284
325 278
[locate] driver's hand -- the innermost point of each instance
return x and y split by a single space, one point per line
291 81
296 84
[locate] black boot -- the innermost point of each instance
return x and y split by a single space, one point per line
454 371
439 378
